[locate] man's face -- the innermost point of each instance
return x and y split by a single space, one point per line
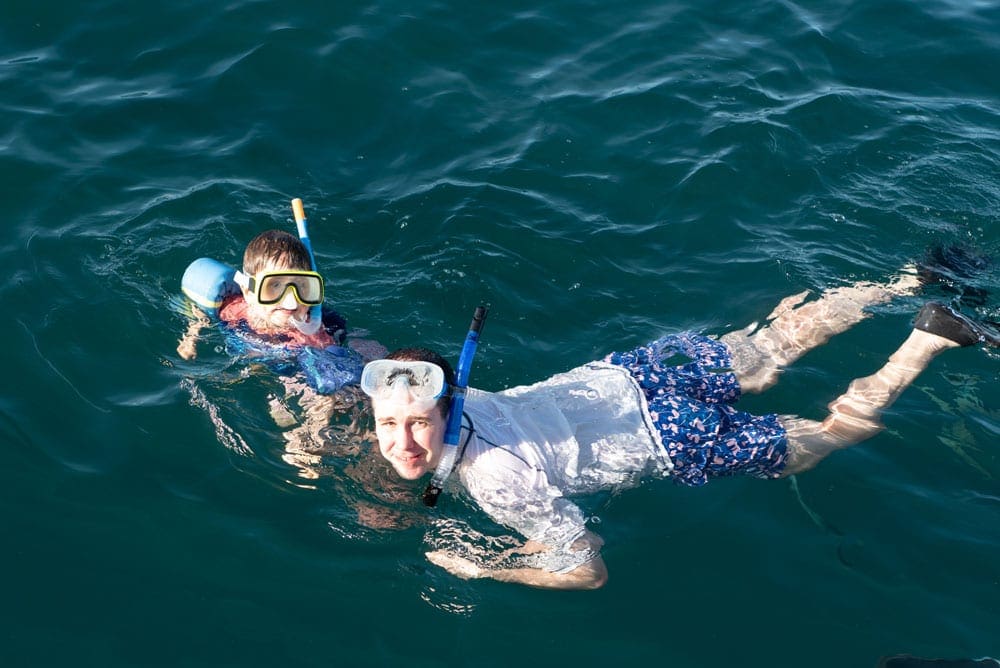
410 435
277 316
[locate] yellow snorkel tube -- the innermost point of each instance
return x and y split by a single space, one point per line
315 319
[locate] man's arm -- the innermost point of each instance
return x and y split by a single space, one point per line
590 575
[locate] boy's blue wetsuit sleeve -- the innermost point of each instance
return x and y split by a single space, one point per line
328 369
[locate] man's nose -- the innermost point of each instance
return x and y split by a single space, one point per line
405 438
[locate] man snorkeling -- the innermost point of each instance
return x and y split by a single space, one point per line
661 410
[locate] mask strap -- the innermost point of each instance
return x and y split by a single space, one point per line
242 279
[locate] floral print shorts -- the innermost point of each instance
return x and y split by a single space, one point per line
690 389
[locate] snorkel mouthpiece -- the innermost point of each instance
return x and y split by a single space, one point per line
310 325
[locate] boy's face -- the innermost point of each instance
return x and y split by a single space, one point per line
278 316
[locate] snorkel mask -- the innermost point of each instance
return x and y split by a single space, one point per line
271 287
404 382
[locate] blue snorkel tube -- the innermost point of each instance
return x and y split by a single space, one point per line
453 429
315 321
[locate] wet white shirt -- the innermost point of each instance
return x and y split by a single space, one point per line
576 433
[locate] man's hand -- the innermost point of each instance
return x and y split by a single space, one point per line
458 566
590 575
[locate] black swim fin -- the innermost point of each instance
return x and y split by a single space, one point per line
943 320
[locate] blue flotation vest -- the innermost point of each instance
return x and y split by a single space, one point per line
208 283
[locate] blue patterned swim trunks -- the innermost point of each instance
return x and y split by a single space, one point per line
690 389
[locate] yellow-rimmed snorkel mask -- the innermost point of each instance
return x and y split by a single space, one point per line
270 287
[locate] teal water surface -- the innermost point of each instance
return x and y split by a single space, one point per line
600 173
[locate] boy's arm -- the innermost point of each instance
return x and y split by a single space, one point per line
590 575
186 348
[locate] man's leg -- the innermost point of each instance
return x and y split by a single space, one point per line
796 328
856 414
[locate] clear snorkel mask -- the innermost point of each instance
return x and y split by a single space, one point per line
404 382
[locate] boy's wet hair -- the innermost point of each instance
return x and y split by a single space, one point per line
428 355
276 248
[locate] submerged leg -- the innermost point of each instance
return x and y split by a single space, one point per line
796 328
856 414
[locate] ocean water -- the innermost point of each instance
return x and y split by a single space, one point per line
599 173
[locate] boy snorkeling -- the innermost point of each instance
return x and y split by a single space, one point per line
278 288
276 318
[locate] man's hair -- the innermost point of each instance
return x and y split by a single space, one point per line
428 355
275 248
